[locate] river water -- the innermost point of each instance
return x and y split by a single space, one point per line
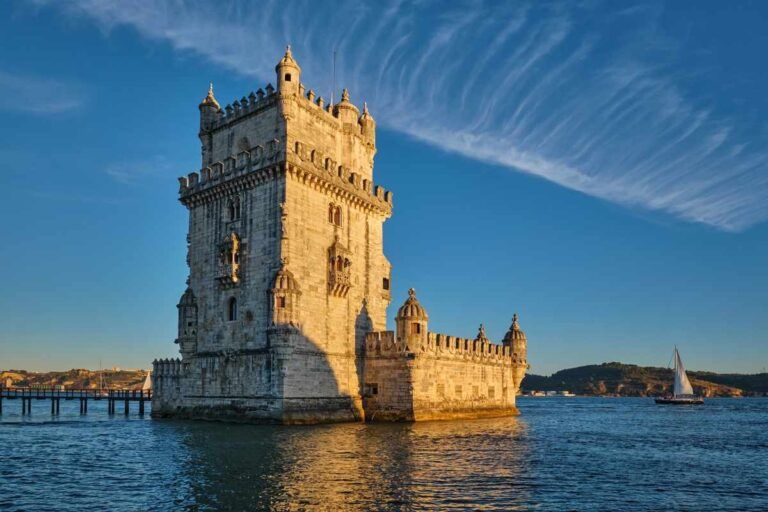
612 454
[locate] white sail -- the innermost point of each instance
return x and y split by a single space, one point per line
682 384
148 382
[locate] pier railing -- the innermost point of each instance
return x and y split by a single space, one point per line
55 395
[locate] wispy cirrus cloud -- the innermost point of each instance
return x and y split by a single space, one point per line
595 106
38 95
129 173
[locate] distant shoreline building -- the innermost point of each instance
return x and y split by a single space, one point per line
284 315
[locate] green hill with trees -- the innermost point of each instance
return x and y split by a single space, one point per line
631 380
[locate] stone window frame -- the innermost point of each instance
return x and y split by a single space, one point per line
335 215
234 209
232 309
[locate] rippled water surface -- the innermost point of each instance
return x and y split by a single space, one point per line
560 454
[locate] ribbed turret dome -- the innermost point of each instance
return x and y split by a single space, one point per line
366 116
210 100
514 333
188 298
411 307
287 60
284 280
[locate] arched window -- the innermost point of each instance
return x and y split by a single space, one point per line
233 209
337 216
339 263
331 210
232 309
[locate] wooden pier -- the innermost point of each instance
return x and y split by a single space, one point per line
55 395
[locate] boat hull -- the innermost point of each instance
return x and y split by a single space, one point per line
680 401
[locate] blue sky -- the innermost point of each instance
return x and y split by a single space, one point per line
598 167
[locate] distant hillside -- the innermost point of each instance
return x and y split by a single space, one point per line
74 379
631 380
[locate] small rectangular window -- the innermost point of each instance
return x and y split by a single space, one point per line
281 302
415 328
385 283
371 389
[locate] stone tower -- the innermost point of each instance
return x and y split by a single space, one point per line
287 272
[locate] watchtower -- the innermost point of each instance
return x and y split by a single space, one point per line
287 272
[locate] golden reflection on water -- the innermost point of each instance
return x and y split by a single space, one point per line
438 465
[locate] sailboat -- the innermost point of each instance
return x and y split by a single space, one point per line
683 391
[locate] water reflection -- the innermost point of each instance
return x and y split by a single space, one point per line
433 465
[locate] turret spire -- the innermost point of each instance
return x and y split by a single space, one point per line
288 73
210 99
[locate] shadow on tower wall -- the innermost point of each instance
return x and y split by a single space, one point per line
292 379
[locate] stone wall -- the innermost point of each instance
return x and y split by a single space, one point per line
445 378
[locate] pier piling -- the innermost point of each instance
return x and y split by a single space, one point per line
54 394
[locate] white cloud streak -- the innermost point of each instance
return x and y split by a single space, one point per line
36 95
523 86
129 173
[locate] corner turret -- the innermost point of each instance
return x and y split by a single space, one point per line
368 125
209 110
285 295
345 110
187 338
288 74
515 338
411 321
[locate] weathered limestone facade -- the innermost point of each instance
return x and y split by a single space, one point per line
288 286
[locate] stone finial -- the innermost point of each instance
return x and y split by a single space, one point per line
481 334
411 293
515 333
345 94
